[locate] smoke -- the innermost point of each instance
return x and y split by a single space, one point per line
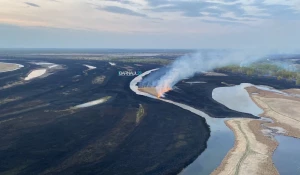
202 61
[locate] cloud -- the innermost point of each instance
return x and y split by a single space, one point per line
31 4
119 10
224 11
217 9
292 4
254 11
180 18
188 9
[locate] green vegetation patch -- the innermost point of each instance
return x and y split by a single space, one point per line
263 69
140 113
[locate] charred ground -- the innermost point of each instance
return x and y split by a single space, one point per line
200 95
40 135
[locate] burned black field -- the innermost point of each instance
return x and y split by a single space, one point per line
40 134
200 95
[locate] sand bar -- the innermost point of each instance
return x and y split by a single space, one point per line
6 67
35 73
93 103
252 151
90 67
149 90
283 108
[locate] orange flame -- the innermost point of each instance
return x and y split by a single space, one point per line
162 91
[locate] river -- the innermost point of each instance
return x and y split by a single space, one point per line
221 138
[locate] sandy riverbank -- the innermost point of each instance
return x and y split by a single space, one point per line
35 74
149 90
6 67
92 103
252 151
283 108
90 67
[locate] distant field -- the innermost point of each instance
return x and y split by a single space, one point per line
127 59
139 57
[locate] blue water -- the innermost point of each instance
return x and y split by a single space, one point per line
287 155
218 146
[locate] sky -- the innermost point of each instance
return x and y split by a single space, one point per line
161 24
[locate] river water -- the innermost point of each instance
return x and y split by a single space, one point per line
237 99
287 155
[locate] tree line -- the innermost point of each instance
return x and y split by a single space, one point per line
263 69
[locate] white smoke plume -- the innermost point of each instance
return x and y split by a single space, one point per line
188 65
